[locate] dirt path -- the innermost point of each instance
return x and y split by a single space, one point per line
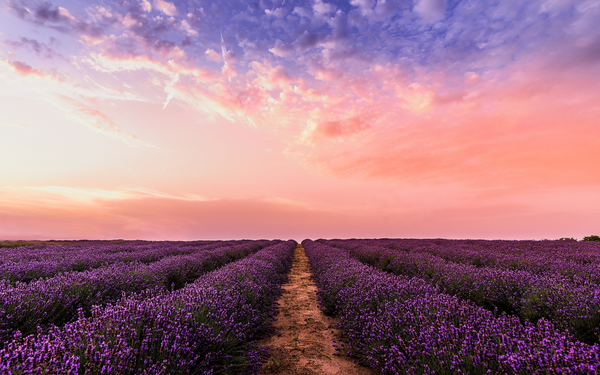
302 343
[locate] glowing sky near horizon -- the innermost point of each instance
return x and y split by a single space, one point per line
159 119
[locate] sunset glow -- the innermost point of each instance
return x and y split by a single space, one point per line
162 119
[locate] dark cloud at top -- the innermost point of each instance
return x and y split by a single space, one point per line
307 41
434 33
48 15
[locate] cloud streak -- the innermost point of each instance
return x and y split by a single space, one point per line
25 70
95 120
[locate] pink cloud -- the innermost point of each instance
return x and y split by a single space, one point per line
185 25
24 69
146 6
328 129
165 7
248 98
339 128
228 71
326 72
171 65
279 75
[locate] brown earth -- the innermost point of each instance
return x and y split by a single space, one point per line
302 342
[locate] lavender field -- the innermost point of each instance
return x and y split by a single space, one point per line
475 307
152 308
403 306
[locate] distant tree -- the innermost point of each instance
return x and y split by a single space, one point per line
592 238
568 239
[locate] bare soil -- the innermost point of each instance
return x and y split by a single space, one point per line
303 341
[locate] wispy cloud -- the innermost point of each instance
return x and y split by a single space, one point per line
95 120
26 70
90 195
76 99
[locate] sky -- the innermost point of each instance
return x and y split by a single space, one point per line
197 119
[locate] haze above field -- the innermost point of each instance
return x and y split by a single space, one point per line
275 119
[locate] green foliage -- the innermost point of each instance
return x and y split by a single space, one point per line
10 245
592 238
567 239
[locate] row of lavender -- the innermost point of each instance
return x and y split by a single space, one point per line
207 327
397 324
570 303
575 259
29 263
59 299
